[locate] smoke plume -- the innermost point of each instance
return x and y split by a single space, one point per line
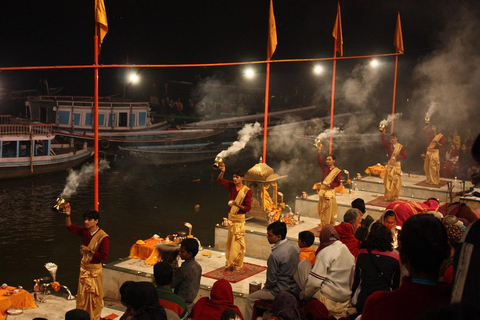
390 118
244 135
85 174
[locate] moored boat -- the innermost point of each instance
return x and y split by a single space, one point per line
119 122
27 150
172 154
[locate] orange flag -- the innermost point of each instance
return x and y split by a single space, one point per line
101 19
398 39
272 33
337 32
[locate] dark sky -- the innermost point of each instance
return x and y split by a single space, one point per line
59 32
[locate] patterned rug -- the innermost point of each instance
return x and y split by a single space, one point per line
379 202
235 276
425 184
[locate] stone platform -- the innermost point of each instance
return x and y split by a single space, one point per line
116 273
371 187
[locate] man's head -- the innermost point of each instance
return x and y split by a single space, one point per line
238 176
354 217
423 245
188 249
393 138
163 273
305 239
434 128
330 160
359 204
91 218
276 231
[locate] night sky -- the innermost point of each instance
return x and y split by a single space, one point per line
58 32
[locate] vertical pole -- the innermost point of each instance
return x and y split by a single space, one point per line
332 106
394 91
95 130
265 122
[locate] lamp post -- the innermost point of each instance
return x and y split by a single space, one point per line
130 78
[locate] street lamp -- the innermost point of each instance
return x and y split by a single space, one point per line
374 63
317 69
130 78
249 73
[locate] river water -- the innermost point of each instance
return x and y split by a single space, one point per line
136 199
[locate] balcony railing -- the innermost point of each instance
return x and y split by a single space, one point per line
18 129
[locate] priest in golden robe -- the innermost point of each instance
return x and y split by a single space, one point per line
432 156
331 178
393 175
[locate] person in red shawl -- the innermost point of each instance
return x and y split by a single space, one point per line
451 161
221 299
346 230
405 209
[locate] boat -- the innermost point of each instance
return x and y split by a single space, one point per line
238 122
27 150
173 154
119 122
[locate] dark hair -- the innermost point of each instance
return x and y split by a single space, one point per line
434 199
331 155
389 213
379 238
190 245
476 149
393 135
163 273
424 242
278 228
77 314
142 297
239 172
351 215
359 204
91 214
307 237
229 314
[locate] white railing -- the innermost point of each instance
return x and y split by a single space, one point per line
18 129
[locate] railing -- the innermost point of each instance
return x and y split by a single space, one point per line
5 119
18 129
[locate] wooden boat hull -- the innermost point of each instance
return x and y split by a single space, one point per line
22 167
174 154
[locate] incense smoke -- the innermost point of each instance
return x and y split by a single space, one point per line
358 89
431 109
326 134
390 118
77 178
244 135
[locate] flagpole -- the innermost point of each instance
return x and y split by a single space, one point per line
332 106
394 93
265 121
95 157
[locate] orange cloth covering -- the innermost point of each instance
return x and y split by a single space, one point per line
21 300
377 170
147 251
307 253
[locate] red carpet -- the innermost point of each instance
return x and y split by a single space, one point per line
425 184
235 276
379 202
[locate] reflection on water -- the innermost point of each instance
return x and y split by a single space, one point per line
136 201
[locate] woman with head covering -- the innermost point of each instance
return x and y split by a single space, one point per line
141 300
389 220
329 280
221 299
377 267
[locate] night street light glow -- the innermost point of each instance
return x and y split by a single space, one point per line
374 63
249 73
133 77
317 69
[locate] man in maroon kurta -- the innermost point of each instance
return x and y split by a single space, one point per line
94 250
240 202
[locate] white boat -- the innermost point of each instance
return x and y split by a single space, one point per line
27 150
119 122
